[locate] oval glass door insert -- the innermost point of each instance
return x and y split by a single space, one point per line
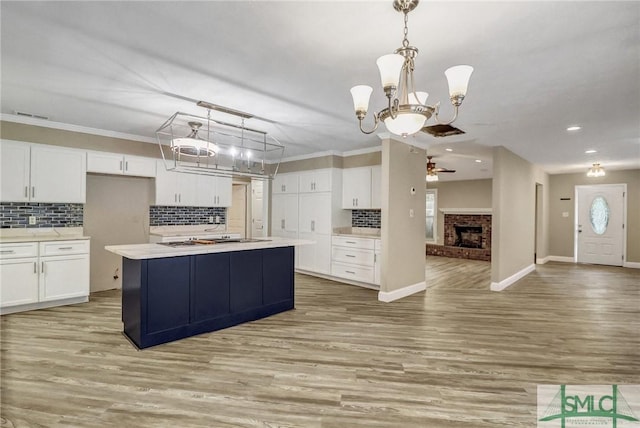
599 215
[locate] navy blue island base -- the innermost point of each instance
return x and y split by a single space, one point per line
166 299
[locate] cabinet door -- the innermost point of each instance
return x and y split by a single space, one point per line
306 182
205 190
18 282
307 253
291 213
376 266
210 291
322 253
246 277
140 167
58 175
376 187
187 189
356 188
14 171
167 293
285 183
64 277
322 180
166 186
277 275
105 163
223 191
277 215
306 212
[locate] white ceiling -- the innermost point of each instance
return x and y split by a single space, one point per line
539 67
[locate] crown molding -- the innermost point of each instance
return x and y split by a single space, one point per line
362 151
312 155
73 128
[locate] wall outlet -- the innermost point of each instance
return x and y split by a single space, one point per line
210 219
411 214
32 219
218 219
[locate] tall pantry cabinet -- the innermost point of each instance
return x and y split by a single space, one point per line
311 200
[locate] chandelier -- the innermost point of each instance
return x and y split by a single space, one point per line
596 171
407 110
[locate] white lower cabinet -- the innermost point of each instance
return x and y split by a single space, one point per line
354 258
377 262
37 275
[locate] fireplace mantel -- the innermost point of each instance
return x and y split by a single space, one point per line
466 211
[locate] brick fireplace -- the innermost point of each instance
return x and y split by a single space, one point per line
466 236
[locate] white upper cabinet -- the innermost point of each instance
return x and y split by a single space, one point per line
14 174
113 163
315 181
39 173
181 189
356 188
376 187
285 183
314 213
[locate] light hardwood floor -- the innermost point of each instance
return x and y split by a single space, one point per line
457 355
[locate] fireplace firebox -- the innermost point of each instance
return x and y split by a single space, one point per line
468 236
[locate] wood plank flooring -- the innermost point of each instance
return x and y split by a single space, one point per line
457 355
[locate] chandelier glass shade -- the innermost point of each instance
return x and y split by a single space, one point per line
193 144
432 176
407 111
596 171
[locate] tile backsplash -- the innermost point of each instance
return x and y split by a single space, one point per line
14 215
183 216
365 218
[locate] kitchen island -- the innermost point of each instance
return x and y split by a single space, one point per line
169 293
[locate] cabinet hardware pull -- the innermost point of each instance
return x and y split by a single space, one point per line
175 197
35 267
120 165
351 242
179 197
26 191
42 267
65 248
7 251
375 258
282 224
33 191
350 255
351 272
126 166
313 225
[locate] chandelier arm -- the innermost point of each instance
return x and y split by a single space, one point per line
376 120
393 108
455 115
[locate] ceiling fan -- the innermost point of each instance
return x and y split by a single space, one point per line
432 171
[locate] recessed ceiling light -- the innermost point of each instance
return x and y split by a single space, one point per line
449 150
574 128
591 151
478 160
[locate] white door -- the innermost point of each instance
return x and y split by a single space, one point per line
105 163
64 277
257 201
18 282
223 191
141 167
237 213
166 186
600 230
356 188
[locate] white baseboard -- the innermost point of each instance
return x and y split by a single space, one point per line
390 296
562 259
633 265
43 305
542 260
499 286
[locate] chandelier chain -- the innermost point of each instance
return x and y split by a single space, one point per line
405 41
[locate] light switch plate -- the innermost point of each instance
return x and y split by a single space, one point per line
411 214
565 214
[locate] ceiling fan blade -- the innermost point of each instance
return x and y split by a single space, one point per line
444 170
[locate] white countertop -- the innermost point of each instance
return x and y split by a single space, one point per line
157 251
357 232
42 234
208 229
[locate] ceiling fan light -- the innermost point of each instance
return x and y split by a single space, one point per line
193 147
432 177
458 78
405 124
361 95
390 66
596 171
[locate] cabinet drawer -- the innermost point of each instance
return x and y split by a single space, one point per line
61 248
18 250
355 273
378 245
348 241
352 255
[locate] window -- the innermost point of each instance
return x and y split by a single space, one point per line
431 229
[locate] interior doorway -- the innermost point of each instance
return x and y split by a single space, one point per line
237 212
600 218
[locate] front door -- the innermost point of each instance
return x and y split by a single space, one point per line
600 229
